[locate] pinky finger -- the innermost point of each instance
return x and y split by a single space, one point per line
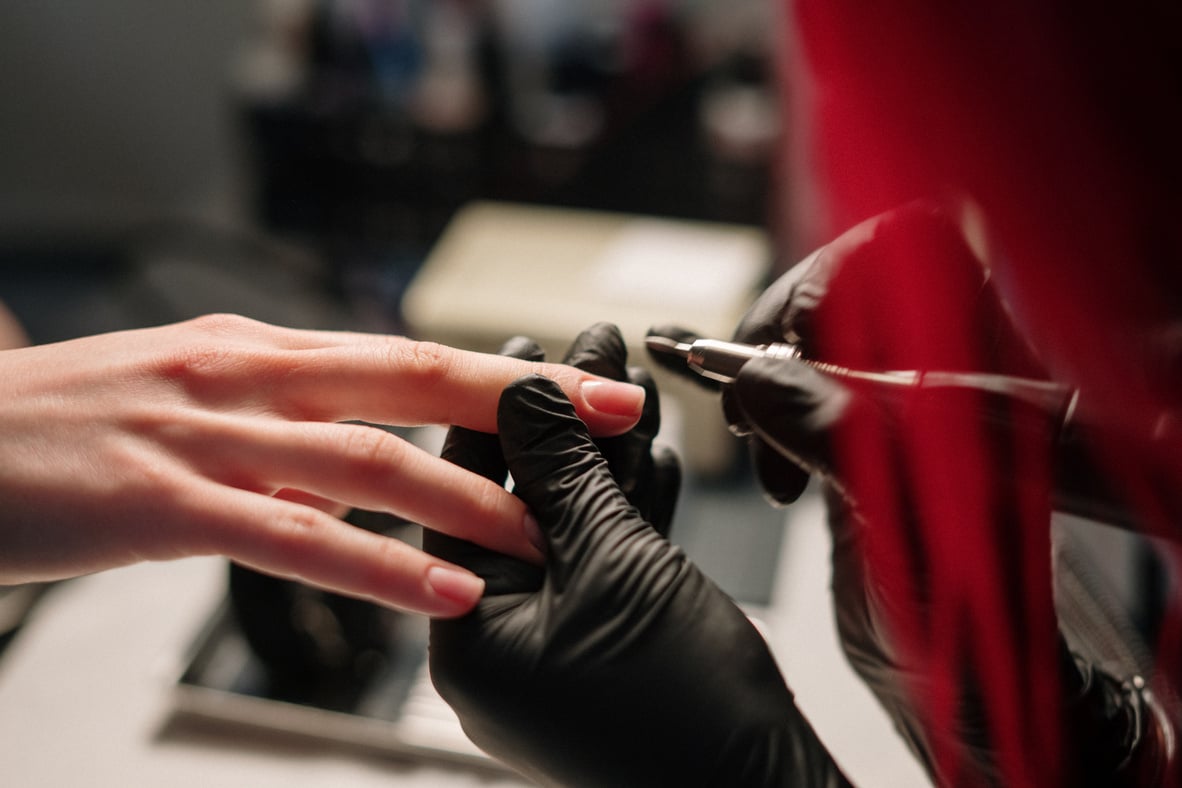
300 542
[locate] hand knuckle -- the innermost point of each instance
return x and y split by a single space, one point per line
197 362
489 500
430 362
429 367
149 474
388 558
370 452
211 361
224 324
296 533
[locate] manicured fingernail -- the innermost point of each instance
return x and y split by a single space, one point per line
456 585
613 398
533 533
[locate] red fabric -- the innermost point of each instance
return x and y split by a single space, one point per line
1060 123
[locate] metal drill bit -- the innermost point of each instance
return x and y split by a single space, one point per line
718 360
668 346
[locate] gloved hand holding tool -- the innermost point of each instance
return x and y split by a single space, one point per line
904 291
869 302
887 364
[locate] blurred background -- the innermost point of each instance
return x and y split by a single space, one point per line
294 160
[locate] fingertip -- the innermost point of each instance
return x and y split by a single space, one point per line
600 350
456 590
613 407
785 490
781 478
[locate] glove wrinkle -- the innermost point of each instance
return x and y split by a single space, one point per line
543 439
630 599
627 666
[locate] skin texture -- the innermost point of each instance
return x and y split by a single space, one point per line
223 435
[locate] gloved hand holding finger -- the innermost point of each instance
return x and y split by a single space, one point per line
573 683
651 479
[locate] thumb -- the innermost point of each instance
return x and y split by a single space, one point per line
793 408
559 473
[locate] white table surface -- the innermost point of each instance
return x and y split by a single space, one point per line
85 690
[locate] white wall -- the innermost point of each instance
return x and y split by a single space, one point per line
115 111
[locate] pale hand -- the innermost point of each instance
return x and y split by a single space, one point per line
223 435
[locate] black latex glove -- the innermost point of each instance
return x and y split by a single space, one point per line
854 303
649 476
868 273
618 663
315 647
